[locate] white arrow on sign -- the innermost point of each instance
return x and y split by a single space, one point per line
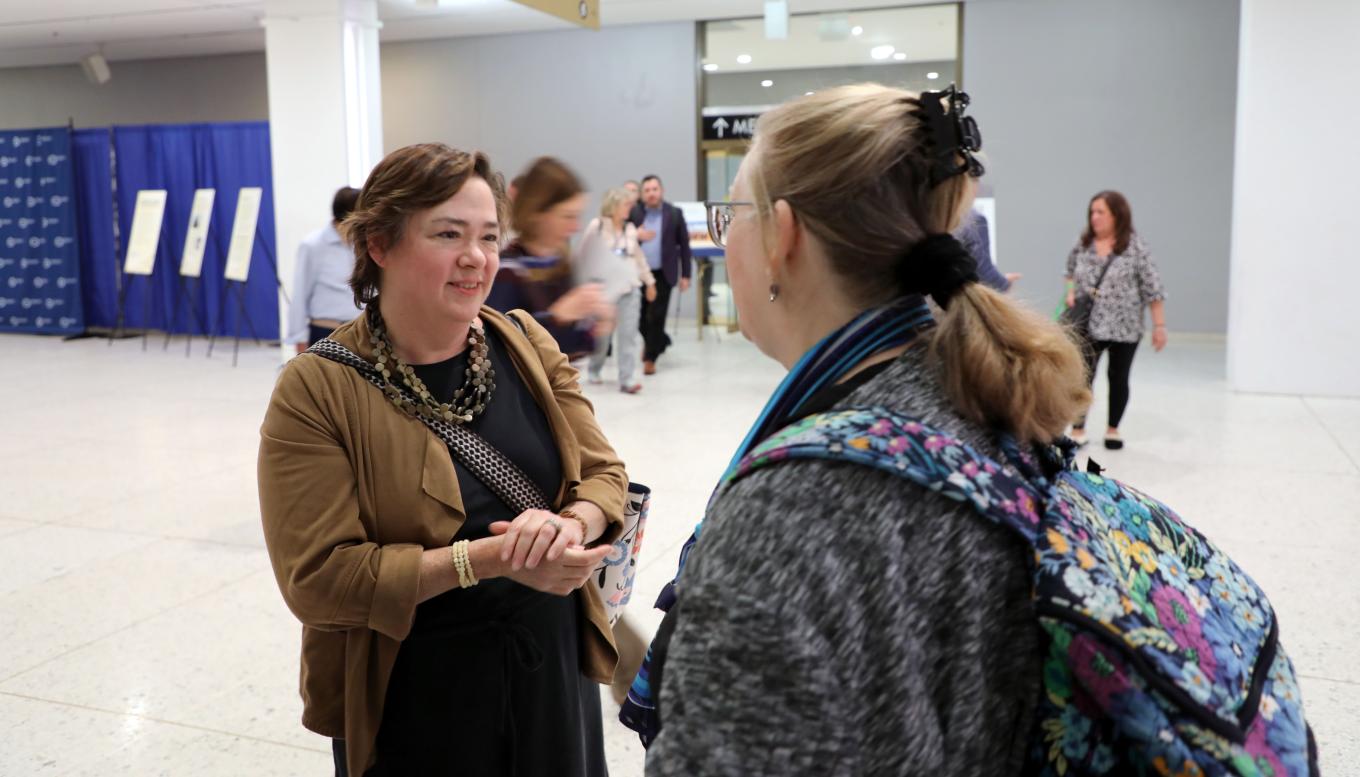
720 125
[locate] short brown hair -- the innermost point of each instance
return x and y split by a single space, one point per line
407 181
851 163
1123 220
547 183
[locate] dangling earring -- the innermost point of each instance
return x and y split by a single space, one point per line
774 291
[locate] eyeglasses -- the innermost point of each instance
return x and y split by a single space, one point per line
720 215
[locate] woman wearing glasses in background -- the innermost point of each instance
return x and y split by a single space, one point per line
774 657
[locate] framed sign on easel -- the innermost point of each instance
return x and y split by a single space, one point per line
244 231
143 242
191 262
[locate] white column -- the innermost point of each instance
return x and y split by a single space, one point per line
325 112
1293 310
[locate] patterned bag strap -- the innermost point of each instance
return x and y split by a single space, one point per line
493 468
903 446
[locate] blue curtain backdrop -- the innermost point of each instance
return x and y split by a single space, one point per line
39 259
179 159
99 266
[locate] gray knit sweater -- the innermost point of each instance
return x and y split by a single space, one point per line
837 620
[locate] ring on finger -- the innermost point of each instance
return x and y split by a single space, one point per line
557 527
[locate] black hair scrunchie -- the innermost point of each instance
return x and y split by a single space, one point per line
939 266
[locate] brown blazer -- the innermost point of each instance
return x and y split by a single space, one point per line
352 490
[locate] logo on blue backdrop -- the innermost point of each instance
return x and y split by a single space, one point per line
39 272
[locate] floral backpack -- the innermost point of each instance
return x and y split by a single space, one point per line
1160 655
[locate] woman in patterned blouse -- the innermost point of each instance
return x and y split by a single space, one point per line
1130 285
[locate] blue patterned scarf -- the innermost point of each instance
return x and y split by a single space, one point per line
872 332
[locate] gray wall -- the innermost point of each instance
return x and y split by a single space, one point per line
614 105
744 88
199 89
1075 96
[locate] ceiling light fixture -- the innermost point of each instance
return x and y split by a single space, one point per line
767 83
881 52
932 75
743 59
900 56
857 30
710 67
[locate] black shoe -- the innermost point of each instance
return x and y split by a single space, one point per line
1114 444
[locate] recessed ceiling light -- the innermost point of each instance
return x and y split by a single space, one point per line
743 59
857 30
807 93
710 67
767 83
881 52
932 75
900 56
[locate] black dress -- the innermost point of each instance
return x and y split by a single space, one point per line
489 681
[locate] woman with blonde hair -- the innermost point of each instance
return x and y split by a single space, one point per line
836 619
620 238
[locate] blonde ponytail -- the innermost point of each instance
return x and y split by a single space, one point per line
852 163
1003 365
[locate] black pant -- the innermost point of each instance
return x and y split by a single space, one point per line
316 333
1121 363
652 322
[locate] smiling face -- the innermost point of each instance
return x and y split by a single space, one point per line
446 259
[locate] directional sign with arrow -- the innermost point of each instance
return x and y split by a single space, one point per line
730 126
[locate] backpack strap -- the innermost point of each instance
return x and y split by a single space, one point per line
903 446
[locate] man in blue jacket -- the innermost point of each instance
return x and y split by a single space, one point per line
665 242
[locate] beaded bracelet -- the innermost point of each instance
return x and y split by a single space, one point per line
462 563
585 532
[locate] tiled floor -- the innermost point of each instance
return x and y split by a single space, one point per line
141 631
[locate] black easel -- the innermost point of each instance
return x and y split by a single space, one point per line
183 291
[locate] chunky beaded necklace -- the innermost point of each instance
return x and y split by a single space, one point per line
468 402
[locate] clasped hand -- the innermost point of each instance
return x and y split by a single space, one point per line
546 552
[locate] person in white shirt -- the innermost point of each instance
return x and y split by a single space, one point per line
322 299
620 237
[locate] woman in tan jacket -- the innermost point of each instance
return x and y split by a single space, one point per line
444 632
